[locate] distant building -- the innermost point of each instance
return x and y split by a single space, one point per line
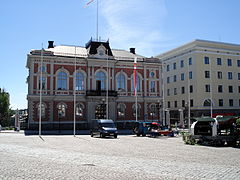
200 73
89 79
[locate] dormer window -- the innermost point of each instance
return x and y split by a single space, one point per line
101 52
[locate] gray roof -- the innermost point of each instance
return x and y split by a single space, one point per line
66 50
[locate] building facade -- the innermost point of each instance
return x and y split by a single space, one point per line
201 78
90 82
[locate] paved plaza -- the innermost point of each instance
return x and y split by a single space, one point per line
127 157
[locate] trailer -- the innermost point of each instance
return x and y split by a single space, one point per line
218 131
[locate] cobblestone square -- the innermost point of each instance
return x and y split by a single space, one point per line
127 157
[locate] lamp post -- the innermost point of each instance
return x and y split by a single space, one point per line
187 114
103 109
168 123
158 110
181 120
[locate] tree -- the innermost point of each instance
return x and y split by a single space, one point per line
4 108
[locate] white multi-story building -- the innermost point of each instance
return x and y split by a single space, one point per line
203 76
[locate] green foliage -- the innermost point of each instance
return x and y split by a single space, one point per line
188 139
238 122
4 108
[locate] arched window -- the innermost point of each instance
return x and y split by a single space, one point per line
138 110
207 102
101 76
79 110
121 108
79 86
42 68
137 83
43 111
153 110
62 81
61 110
121 82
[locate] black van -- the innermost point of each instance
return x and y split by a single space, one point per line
103 128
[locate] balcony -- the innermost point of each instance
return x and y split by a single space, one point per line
101 93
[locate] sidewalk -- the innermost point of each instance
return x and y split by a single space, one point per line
11 131
70 132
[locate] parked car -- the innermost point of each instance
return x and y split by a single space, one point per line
103 128
152 129
141 128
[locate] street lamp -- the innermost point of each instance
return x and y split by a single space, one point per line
181 119
158 109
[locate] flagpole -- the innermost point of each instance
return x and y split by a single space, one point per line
74 91
211 93
189 106
97 17
107 87
40 103
135 85
163 95
97 20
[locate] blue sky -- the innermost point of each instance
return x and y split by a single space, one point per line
151 26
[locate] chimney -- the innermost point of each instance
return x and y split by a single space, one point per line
132 50
50 44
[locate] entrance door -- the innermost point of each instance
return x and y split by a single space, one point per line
98 85
100 111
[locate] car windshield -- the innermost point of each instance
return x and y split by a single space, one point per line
108 125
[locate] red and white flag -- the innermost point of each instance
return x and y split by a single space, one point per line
135 76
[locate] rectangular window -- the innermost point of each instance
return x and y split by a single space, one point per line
152 86
220 88
191 88
44 83
168 68
191 102
168 79
238 89
182 64
229 62
175 91
207 74
182 76
168 92
174 65
190 61
238 63
219 74
190 75
219 61
183 90
183 103
230 102
229 75
175 104
230 89
207 88
238 76
175 78
220 102
206 60
169 104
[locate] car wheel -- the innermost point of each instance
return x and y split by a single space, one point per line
115 135
91 134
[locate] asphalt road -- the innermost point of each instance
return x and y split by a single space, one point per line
127 157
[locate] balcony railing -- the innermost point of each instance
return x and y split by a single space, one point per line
101 93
